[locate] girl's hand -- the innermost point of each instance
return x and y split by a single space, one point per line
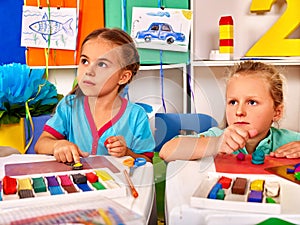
116 146
65 151
289 150
234 138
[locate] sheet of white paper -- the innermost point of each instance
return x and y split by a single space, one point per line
57 29
165 29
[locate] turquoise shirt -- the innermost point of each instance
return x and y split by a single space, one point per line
275 139
73 121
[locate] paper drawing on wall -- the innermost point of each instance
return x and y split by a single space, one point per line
56 29
166 29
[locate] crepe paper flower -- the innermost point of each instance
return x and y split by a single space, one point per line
21 85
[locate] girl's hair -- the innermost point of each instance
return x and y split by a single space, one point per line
268 72
129 57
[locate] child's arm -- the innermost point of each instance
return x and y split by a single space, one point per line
116 146
289 150
62 150
189 148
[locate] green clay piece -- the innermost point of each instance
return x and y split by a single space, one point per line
98 186
221 194
297 175
39 185
270 200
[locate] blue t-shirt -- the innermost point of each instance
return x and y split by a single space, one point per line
73 121
275 139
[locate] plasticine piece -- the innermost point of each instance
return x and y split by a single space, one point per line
39 184
79 178
297 175
297 169
297 165
240 156
65 180
290 171
52 181
225 181
84 187
9 185
270 200
221 194
213 192
239 186
257 185
24 184
272 188
26 193
91 177
258 157
70 189
55 190
255 196
103 175
77 166
98 186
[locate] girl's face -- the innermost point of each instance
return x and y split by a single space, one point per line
249 103
99 72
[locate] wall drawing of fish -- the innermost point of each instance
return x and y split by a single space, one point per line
47 27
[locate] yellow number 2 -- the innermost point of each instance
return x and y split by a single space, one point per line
275 41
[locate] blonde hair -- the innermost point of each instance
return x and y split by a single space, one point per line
268 72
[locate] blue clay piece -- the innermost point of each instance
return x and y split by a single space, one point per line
258 157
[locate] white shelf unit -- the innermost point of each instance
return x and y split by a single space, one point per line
207 77
63 76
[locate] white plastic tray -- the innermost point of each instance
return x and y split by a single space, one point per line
234 202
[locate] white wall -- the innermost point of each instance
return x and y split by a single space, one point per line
210 89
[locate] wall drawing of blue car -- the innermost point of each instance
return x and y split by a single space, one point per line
160 31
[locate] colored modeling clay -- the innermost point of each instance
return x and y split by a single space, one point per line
25 194
270 200
257 185
239 186
240 156
39 184
65 180
77 166
91 177
258 157
103 175
221 194
84 187
289 170
9 185
70 189
297 175
213 192
55 190
79 178
255 196
272 188
24 184
225 181
52 181
98 186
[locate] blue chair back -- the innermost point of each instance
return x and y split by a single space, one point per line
168 125
38 123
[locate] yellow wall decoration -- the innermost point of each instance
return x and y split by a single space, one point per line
275 41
